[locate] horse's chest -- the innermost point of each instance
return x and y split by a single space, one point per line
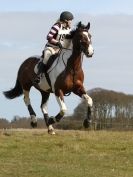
65 82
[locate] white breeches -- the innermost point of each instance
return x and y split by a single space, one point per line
48 52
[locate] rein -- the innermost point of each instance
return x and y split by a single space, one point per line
65 48
58 58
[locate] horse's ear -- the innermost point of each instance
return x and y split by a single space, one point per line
88 26
79 24
70 36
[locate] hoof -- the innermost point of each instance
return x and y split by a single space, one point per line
33 124
86 123
33 121
51 130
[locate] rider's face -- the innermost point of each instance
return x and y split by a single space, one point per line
68 23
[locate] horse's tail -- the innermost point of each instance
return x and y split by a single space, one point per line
14 92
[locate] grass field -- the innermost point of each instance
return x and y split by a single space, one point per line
34 153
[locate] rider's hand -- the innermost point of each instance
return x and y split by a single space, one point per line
59 45
68 36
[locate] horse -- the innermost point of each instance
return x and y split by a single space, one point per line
65 76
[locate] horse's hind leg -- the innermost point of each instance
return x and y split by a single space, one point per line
45 97
58 117
30 109
63 108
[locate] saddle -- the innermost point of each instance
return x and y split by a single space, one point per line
47 67
50 61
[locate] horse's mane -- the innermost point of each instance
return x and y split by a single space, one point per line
80 27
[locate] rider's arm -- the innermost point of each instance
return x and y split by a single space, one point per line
51 37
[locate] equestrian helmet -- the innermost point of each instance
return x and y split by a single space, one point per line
66 16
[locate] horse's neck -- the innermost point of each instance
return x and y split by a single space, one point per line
69 59
75 60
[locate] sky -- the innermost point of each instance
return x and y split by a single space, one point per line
24 26
93 7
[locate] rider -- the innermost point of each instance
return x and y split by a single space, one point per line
55 37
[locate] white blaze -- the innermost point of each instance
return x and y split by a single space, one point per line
90 48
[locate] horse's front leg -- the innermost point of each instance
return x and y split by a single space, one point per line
80 91
89 103
30 109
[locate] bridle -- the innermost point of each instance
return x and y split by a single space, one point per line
85 44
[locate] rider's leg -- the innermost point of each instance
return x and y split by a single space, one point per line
41 68
42 64
48 52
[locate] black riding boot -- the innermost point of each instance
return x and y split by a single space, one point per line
41 69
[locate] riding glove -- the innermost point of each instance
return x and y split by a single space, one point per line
59 45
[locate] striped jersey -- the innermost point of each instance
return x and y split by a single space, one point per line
57 32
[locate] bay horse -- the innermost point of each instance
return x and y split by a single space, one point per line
65 75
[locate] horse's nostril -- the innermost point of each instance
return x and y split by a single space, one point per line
88 53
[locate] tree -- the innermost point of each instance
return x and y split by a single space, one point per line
109 107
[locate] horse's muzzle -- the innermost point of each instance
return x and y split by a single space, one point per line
88 54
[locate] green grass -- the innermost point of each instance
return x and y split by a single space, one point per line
34 153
